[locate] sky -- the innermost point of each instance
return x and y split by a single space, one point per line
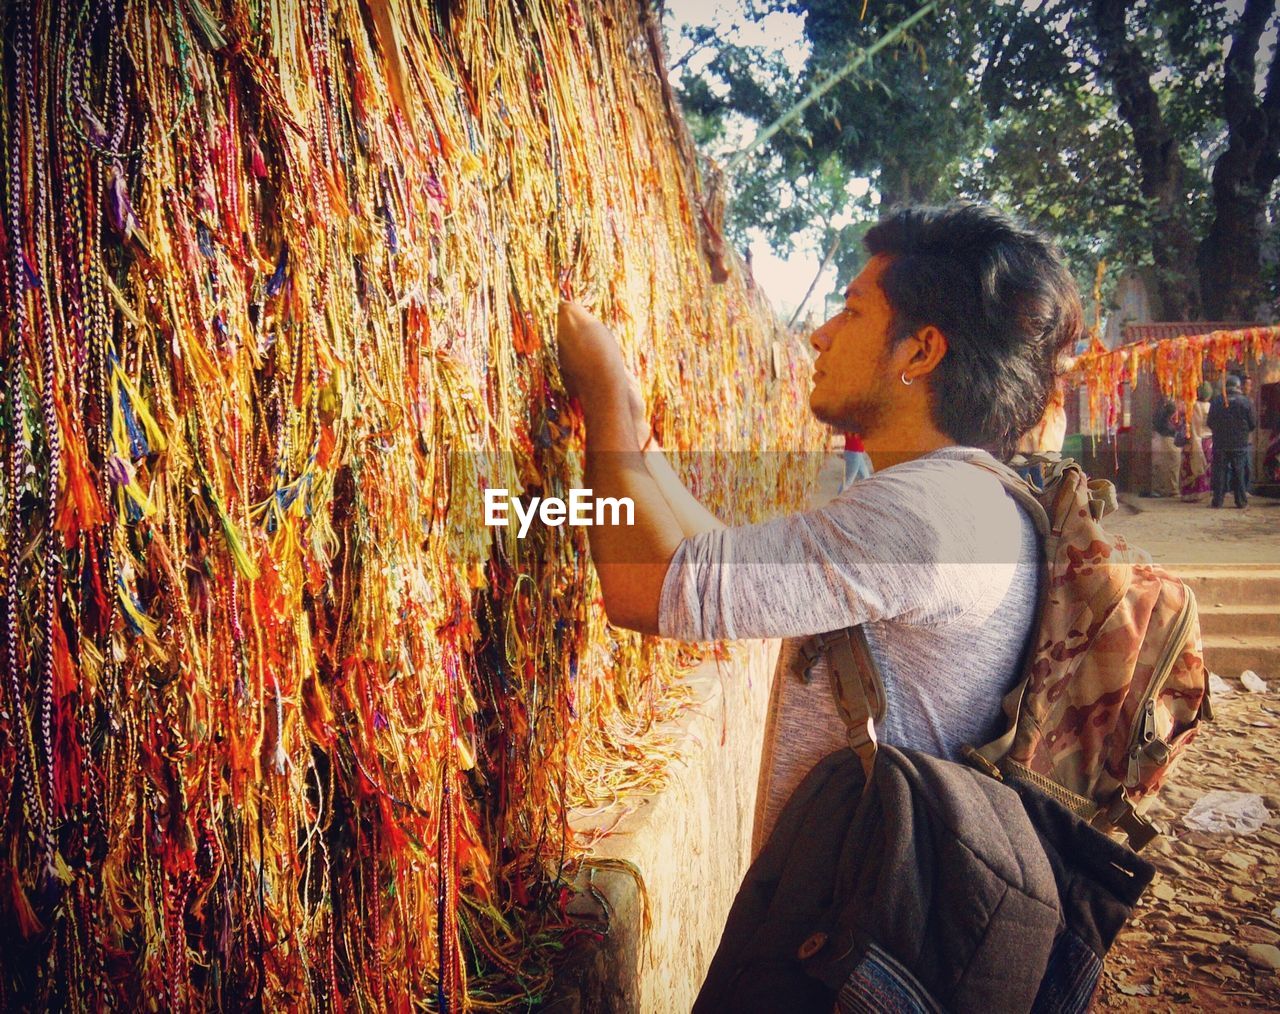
784 281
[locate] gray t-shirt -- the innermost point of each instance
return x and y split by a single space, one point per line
931 554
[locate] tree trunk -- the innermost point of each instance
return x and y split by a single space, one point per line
898 186
894 184
1161 171
1230 256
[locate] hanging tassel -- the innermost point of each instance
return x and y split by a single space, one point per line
94 127
119 207
80 509
138 407
123 474
276 282
256 161
29 925
65 678
316 713
279 758
140 622
33 276
208 25
244 563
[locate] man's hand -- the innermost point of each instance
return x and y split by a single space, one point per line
592 367
589 353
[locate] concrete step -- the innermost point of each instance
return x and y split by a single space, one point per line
1248 619
1231 654
1232 585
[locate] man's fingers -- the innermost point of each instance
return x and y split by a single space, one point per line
574 314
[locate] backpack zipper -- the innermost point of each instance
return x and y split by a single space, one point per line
1145 734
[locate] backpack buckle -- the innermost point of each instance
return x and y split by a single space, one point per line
810 650
862 741
974 759
1120 814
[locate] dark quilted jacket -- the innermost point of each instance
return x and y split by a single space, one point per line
938 889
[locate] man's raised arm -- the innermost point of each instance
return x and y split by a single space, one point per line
632 560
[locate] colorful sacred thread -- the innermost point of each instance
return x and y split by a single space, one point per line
282 722
1176 363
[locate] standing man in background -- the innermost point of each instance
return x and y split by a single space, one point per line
1232 421
1198 454
1246 388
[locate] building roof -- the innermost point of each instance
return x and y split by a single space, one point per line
1160 330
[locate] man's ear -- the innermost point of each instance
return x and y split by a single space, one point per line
924 351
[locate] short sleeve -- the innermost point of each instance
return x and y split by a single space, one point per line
889 547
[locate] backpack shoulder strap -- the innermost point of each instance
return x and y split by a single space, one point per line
1018 488
855 681
856 686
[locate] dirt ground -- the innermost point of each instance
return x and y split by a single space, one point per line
1178 533
1205 935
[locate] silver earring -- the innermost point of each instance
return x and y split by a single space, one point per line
905 381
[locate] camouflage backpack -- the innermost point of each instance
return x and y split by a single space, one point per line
1114 685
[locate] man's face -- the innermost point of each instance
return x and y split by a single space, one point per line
852 374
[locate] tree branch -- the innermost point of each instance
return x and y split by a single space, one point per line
1162 172
1126 67
1271 97
830 81
696 48
1239 102
814 284
1269 162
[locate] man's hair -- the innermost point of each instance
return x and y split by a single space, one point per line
1003 299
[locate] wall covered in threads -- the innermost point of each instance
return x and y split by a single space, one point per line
282 722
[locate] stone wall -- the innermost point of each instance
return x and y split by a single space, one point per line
682 852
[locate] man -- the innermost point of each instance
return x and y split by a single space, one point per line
1166 456
1232 421
947 342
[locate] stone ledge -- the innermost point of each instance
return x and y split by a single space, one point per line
689 844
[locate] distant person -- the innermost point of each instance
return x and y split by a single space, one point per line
1167 425
1232 421
1246 388
1198 452
1270 421
1044 440
857 462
